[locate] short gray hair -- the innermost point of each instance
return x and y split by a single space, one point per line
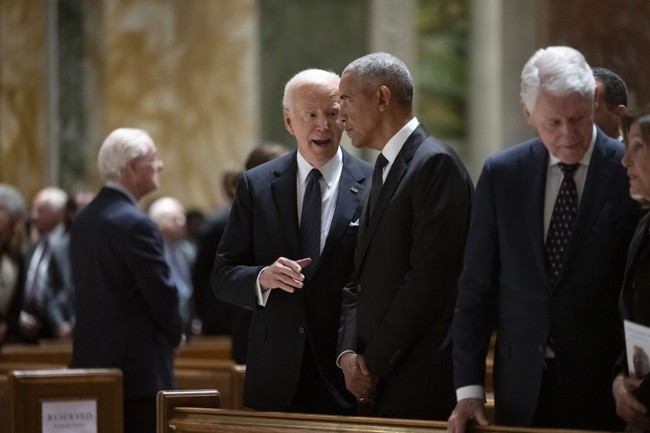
556 70
308 76
383 69
121 146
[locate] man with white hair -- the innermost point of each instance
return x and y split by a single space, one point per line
292 277
127 313
551 222
47 217
169 214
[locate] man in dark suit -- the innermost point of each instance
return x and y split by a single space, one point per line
290 277
394 340
127 313
551 294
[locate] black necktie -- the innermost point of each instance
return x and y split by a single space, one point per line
377 181
564 214
310 221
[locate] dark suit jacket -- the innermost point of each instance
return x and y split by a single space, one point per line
263 226
505 284
126 304
408 260
634 302
216 316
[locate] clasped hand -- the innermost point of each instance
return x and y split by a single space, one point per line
358 378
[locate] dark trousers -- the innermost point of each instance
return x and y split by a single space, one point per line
140 415
314 394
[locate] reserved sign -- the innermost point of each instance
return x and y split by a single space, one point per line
69 416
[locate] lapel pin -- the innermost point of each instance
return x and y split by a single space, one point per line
354 190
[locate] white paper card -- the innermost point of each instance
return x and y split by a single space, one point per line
70 416
637 346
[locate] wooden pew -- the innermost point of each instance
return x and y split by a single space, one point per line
168 401
191 418
218 374
52 396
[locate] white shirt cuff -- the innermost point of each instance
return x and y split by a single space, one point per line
262 297
470 391
338 359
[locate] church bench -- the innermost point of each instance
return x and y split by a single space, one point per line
189 418
64 399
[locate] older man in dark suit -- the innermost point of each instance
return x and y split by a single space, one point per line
127 313
544 262
287 252
394 340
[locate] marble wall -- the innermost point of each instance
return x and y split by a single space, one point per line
184 70
23 153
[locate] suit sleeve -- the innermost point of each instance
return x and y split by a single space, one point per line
234 275
478 288
144 254
440 207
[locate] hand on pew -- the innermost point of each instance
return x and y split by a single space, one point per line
466 410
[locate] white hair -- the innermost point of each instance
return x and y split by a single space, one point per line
165 206
121 146
556 70
308 76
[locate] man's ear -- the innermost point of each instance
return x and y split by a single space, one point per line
287 121
620 110
384 97
527 114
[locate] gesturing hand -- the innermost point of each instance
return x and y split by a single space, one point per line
284 274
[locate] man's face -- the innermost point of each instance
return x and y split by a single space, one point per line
44 218
144 171
564 124
313 120
360 113
607 120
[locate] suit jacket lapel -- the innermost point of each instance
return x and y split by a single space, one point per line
283 188
598 184
534 169
347 204
397 172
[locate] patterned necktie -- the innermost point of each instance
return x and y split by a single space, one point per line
561 226
377 181
310 227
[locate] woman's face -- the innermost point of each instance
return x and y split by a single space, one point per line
637 162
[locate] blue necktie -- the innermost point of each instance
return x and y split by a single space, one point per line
561 226
310 224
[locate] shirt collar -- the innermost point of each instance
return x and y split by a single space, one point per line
395 144
553 160
329 170
118 186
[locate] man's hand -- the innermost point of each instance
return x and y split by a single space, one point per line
358 379
466 410
627 406
284 274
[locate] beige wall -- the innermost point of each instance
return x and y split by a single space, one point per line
188 75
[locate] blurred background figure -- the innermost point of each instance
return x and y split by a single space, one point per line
12 269
611 102
58 289
218 317
48 231
169 214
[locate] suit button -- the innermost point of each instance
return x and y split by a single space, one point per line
541 349
359 289
301 330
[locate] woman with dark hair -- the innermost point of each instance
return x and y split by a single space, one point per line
635 295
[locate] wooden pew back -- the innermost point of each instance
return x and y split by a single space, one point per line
58 396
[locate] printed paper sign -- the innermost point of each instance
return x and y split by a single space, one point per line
70 416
